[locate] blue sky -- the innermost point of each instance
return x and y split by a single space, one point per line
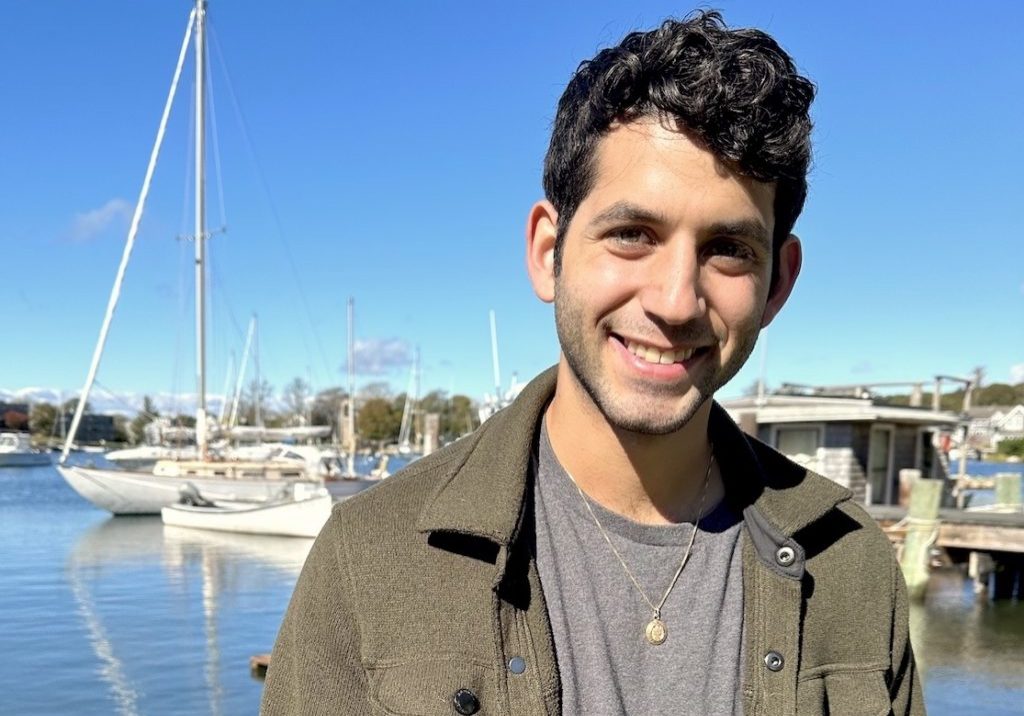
395 151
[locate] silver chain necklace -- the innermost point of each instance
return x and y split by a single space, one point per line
655 632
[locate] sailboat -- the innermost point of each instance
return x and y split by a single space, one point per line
132 492
501 398
412 396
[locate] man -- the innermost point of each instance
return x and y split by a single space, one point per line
611 543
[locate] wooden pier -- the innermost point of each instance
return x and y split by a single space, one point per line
990 541
980 531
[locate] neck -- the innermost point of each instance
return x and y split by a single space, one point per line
652 479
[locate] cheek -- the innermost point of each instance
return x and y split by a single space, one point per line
615 277
603 284
736 304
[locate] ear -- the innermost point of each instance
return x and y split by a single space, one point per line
790 260
541 234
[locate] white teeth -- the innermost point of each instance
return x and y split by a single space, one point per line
653 355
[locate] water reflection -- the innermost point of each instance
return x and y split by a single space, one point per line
111 670
117 554
968 648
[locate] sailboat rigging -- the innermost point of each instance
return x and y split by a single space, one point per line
127 492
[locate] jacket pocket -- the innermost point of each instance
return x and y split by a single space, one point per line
844 693
430 685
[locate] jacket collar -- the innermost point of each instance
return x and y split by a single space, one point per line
484 495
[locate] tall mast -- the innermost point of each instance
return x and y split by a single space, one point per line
350 449
494 359
200 235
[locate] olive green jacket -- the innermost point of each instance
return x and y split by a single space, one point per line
421 595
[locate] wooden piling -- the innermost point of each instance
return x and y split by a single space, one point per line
908 478
1008 489
258 665
922 525
1006 579
979 566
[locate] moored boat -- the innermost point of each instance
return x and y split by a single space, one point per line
124 492
16 451
300 512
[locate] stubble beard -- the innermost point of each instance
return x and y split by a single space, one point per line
631 413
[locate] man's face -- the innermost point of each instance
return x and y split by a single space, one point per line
665 278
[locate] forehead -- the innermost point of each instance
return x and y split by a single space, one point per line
649 163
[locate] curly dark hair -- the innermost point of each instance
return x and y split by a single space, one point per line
735 90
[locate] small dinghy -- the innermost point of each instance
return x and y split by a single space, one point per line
299 511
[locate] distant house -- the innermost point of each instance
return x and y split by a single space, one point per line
93 428
1009 424
855 441
991 424
14 416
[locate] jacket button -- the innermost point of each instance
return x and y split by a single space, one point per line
517 664
785 556
466 702
774 661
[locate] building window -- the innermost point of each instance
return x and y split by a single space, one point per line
797 440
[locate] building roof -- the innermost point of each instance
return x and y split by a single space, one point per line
774 409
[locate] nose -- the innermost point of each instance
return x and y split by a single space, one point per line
672 290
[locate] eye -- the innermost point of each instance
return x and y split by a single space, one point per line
732 250
630 237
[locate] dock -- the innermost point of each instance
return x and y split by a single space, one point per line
976 531
990 540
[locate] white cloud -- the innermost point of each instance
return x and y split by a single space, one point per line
111 403
90 224
380 356
1017 373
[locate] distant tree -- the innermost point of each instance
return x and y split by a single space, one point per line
457 413
121 429
998 394
255 399
327 406
274 420
462 417
137 427
295 395
42 419
181 420
1013 447
71 405
377 420
994 394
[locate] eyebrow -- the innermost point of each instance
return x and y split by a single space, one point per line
620 211
751 229
627 211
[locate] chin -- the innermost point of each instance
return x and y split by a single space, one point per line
642 420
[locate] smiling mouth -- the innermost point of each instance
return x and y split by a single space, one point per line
658 356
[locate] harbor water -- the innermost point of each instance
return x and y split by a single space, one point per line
106 615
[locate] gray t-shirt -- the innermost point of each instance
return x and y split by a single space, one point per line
598 618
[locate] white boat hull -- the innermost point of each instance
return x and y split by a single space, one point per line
141 493
287 518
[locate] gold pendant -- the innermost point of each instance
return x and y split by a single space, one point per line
656 632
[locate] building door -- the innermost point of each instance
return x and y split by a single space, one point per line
880 482
927 461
